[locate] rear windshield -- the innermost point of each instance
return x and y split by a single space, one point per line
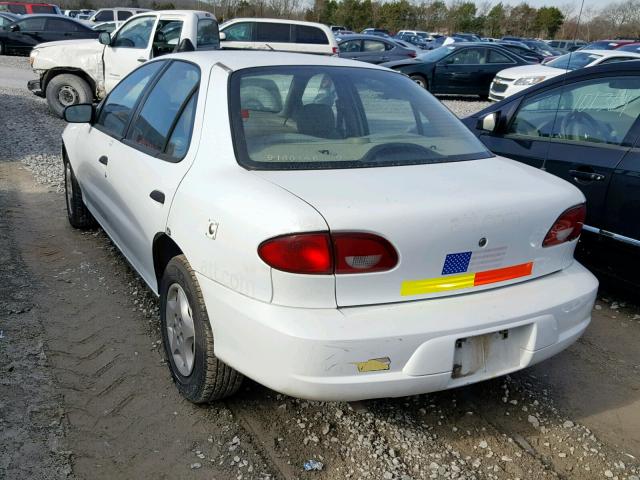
308 117
573 61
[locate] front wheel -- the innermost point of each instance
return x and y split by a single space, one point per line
420 80
188 340
67 89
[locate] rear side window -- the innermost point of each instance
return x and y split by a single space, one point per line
43 9
152 127
373 46
123 14
306 34
309 117
273 32
104 16
117 108
208 36
498 57
19 9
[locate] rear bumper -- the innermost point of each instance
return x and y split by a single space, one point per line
315 353
35 87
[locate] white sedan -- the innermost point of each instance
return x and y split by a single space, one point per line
513 80
325 227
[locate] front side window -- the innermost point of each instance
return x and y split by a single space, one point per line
135 34
273 32
239 32
104 16
32 24
152 127
116 110
350 46
306 117
372 46
124 14
208 36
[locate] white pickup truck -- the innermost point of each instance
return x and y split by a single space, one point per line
83 71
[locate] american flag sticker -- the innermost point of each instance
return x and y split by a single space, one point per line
474 261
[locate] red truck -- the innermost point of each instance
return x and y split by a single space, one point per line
22 8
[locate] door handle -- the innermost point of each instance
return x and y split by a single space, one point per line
103 160
158 196
142 59
586 175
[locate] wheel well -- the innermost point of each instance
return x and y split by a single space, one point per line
54 72
164 249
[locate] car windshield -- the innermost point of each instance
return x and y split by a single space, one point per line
573 61
436 54
310 117
602 45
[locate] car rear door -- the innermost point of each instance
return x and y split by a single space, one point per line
374 51
147 166
496 61
591 135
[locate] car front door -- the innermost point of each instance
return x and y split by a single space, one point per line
130 47
351 49
96 145
146 167
592 133
458 72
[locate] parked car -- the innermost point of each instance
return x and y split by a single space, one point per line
567 45
469 37
278 34
426 36
324 283
115 14
7 18
521 50
630 47
380 32
23 8
27 32
338 28
372 49
460 68
606 44
514 80
542 48
583 127
84 71
407 45
444 40
414 40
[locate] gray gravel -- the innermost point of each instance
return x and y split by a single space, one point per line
464 106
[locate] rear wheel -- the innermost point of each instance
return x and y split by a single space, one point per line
188 340
420 80
79 215
67 89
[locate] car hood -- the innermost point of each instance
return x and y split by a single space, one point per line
84 44
531 71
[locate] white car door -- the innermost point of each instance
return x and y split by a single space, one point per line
146 168
130 46
96 148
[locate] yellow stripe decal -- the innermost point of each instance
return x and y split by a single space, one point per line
434 285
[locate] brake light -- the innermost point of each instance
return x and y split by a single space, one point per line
336 51
325 254
567 227
412 54
362 253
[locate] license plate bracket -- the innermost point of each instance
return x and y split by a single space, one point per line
486 354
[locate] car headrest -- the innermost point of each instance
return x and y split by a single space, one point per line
317 120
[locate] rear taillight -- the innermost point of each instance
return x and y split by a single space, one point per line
567 227
412 54
324 253
336 51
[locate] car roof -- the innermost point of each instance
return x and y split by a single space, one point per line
241 59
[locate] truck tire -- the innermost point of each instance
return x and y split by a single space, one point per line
67 89
77 212
188 340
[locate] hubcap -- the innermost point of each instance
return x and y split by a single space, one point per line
419 81
180 330
68 184
68 95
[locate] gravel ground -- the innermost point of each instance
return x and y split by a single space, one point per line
507 428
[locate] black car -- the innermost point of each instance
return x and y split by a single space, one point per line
20 36
524 52
583 127
372 49
6 18
460 68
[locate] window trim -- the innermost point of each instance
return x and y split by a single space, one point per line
140 104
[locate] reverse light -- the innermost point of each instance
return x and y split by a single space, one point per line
529 80
567 227
325 253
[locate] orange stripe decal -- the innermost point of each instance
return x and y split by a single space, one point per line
503 274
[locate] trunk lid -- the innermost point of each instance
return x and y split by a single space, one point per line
437 216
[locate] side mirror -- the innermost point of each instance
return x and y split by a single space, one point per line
223 36
80 113
489 122
104 38
14 28
185 45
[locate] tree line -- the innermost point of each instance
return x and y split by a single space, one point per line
485 18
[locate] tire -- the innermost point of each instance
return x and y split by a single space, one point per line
2 49
200 376
67 89
77 212
484 97
420 80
